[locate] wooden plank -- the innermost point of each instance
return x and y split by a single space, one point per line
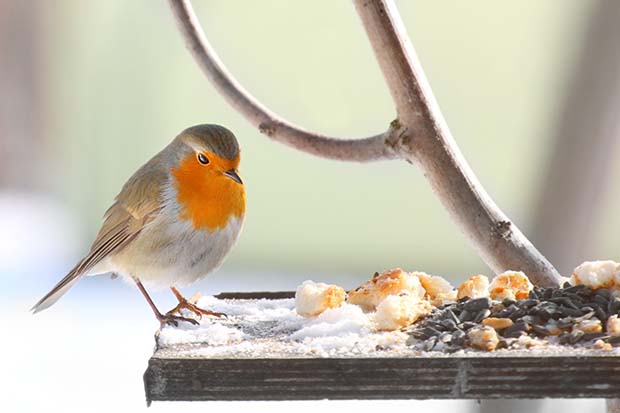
180 373
480 377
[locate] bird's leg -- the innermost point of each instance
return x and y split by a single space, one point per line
185 304
163 318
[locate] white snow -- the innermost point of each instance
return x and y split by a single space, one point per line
273 328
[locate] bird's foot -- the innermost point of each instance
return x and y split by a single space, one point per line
186 305
169 318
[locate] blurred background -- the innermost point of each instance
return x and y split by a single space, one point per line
91 90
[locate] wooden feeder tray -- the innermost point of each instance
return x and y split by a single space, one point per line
177 374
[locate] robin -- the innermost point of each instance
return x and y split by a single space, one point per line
173 222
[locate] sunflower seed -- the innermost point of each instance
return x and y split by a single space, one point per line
449 324
465 316
477 304
575 336
482 314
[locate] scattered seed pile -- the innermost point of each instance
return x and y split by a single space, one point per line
572 315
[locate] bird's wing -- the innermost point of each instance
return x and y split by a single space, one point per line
136 205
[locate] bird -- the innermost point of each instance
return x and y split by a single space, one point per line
173 222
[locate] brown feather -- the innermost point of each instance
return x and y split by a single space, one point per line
135 206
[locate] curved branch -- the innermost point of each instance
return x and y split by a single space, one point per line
419 135
427 141
360 150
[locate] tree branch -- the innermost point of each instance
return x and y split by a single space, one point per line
429 143
359 150
419 135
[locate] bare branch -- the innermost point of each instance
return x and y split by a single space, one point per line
269 123
419 135
427 141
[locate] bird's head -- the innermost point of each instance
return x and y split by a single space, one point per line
206 177
211 152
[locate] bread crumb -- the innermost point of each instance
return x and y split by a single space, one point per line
311 298
392 282
497 323
601 345
597 274
511 284
526 341
592 325
483 338
613 325
475 287
553 328
438 290
398 311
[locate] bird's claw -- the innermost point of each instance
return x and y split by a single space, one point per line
194 309
174 320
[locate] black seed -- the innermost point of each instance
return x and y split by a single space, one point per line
526 304
556 293
565 322
477 304
465 316
445 337
513 334
564 338
576 299
566 284
507 302
449 324
604 292
482 314
430 343
430 331
458 338
615 340
564 301
575 336
540 330
580 289
544 314
586 310
604 301
502 344
599 310
592 336
548 293
517 314
436 324
419 334
467 325
585 291
505 313
614 305
516 330
566 311
531 319
449 315
601 315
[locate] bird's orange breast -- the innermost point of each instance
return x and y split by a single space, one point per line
208 198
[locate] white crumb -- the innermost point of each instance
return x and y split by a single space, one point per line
311 298
597 274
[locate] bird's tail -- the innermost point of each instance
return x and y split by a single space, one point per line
59 289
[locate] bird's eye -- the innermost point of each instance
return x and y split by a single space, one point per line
203 159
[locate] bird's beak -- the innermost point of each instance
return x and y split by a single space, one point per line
232 174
